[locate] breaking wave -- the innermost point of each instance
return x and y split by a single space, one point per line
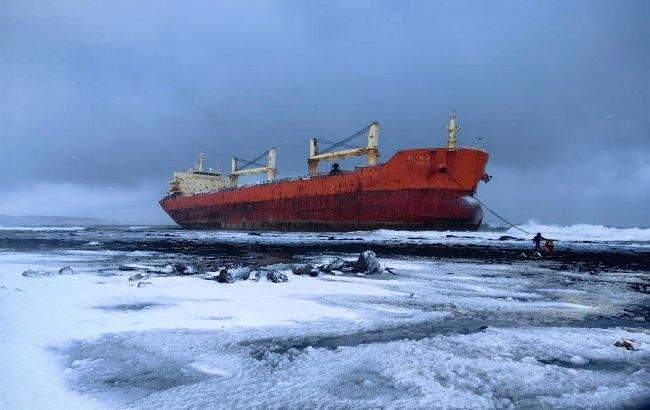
585 232
570 233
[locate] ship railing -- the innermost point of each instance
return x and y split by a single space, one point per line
274 181
474 148
279 180
282 180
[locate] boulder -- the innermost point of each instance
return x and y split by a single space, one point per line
367 263
137 277
277 277
305 270
30 273
507 238
336 264
168 270
624 343
224 277
128 268
240 273
66 270
148 269
184 269
144 284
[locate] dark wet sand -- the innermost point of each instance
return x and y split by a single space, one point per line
589 261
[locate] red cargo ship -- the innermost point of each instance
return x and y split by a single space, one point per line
417 189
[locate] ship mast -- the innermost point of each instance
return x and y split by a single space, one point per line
452 130
201 162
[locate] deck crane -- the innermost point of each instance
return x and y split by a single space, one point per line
240 167
371 150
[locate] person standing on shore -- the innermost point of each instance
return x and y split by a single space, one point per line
537 240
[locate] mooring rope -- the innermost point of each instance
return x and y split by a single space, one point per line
486 207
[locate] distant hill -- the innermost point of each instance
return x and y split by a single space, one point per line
39 220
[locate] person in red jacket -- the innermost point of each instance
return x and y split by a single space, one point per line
548 246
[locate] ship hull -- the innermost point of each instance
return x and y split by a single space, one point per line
425 189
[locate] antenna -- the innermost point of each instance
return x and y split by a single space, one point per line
201 162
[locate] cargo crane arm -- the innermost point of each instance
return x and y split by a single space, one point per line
239 167
371 150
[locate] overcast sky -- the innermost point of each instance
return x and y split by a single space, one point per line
102 101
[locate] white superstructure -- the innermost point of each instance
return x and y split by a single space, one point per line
197 179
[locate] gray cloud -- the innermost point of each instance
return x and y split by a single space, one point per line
113 96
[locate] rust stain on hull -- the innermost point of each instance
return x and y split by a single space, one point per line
412 191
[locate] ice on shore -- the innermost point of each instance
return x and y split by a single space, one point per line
438 334
525 367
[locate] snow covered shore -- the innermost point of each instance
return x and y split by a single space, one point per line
438 334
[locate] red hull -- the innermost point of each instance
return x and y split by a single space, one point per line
414 190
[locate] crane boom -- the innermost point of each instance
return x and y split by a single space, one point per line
371 150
